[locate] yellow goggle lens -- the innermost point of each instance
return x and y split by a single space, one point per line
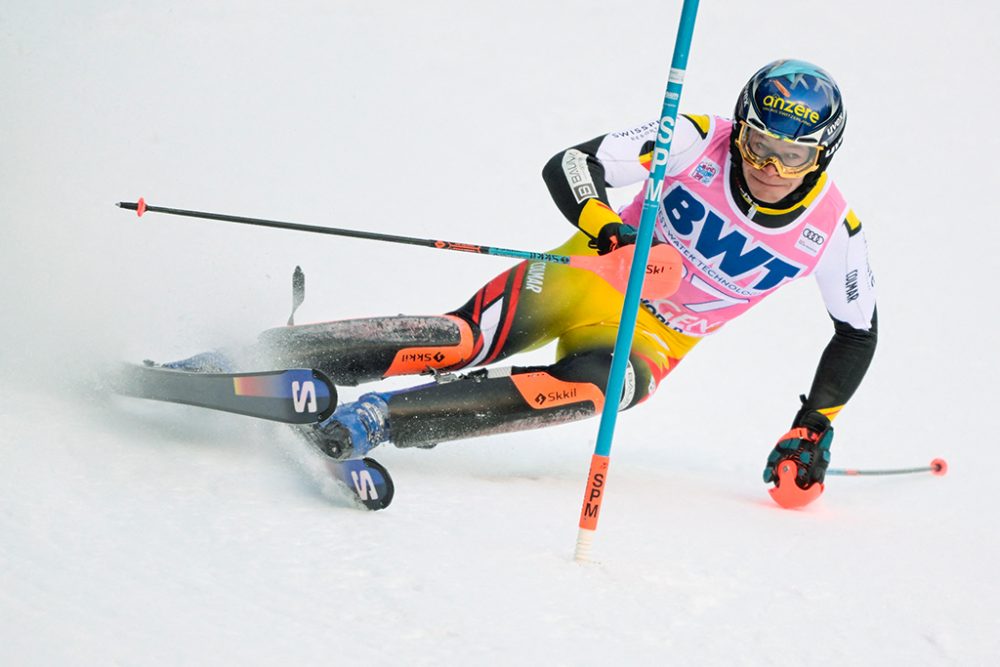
790 159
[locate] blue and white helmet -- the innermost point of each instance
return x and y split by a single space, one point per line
795 101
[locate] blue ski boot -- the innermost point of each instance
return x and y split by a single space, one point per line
353 429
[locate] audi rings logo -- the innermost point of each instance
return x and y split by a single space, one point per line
811 240
814 236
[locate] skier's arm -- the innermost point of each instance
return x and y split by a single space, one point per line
848 289
577 182
578 178
847 285
842 367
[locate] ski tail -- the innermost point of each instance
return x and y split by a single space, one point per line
294 396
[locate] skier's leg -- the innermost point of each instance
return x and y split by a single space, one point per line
498 400
503 400
361 350
352 351
521 398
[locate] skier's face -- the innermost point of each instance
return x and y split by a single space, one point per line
766 185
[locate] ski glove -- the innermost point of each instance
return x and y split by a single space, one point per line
808 445
613 236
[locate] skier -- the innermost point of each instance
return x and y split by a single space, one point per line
747 203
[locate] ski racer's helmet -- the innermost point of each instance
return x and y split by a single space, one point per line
789 102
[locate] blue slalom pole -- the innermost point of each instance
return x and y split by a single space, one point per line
630 310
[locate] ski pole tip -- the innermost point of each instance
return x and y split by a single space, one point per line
139 207
939 467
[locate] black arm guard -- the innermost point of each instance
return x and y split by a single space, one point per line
842 366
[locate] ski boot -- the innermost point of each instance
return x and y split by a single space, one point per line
353 429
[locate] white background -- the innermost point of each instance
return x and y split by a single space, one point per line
138 533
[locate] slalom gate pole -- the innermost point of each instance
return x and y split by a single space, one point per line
597 476
937 467
663 266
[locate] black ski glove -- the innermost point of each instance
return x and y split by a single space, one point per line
612 236
808 445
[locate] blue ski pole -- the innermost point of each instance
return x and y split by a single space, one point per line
623 343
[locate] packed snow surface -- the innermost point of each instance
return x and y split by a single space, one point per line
138 533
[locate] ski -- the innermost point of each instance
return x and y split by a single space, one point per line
365 479
295 396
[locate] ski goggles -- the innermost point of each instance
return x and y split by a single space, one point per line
791 159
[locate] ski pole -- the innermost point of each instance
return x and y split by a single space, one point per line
663 265
937 467
597 476
788 494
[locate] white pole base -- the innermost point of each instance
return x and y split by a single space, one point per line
584 542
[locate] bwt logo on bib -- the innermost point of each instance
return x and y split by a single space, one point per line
713 236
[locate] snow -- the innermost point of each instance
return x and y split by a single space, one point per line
137 533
